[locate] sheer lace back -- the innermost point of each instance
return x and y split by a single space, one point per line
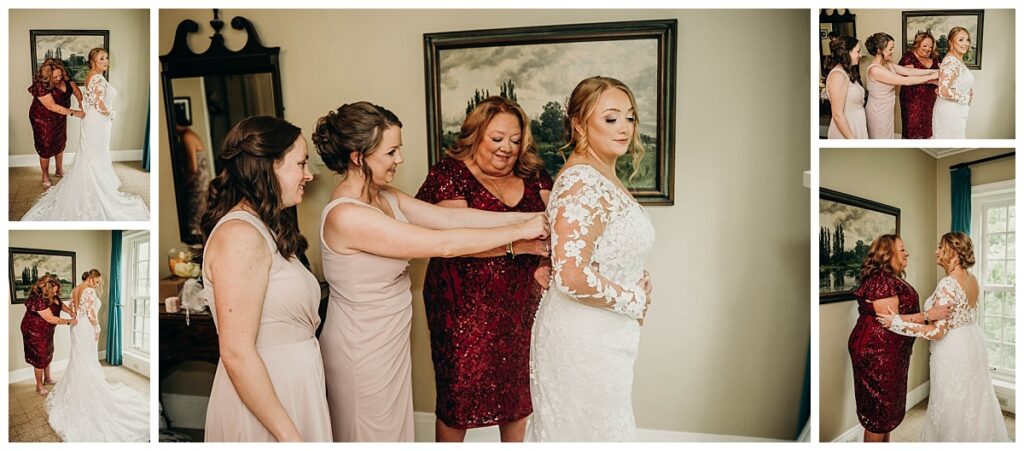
99 95
948 292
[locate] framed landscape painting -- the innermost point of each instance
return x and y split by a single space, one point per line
28 265
538 67
939 23
849 224
71 47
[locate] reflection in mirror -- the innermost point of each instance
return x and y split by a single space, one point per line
205 109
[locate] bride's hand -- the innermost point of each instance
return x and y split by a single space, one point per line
74 322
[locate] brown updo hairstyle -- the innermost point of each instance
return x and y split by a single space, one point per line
959 244
877 42
251 149
354 127
45 73
955 31
528 164
880 257
94 53
919 40
841 48
582 103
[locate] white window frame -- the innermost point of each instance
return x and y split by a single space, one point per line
129 242
983 196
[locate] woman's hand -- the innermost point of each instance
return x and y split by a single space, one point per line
535 247
535 228
74 322
648 287
885 319
543 273
939 312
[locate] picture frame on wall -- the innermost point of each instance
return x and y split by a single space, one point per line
183 111
939 23
71 47
28 265
522 64
848 226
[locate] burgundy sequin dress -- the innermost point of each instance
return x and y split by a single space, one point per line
881 359
49 129
480 312
38 333
916 102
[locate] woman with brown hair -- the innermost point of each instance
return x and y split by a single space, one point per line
269 384
586 335
52 89
845 93
880 358
883 76
962 407
949 117
916 101
42 315
482 374
369 232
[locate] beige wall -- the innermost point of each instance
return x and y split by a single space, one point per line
129 71
918 184
92 250
992 112
713 358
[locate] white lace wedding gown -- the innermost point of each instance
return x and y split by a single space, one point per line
962 405
949 117
83 407
89 190
586 334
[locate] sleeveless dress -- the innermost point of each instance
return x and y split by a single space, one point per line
365 341
83 407
854 109
917 102
880 358
89 191
286 343
880 109
949 118
586 335
480 312
49 129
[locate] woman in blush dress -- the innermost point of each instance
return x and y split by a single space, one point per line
880 358
480 308
949 118
42 315
52 90
883 77
845 93
369 232
269 384
917 101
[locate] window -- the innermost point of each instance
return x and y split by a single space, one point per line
994 234
136 290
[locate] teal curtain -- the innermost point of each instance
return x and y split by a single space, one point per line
145 144
960 188
114 312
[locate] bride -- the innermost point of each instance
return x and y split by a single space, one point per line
89 191
962 405
587 330
949 116
83 407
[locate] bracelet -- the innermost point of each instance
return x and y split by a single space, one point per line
509 252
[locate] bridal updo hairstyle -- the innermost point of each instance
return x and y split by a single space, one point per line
961 247
880 257
582 103
250 151
94 53
91 274
353 128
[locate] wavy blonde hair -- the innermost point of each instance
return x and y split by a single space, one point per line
582 103
880 257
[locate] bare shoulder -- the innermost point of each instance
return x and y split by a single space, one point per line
235 240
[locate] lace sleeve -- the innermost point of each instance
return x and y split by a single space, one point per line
578 216
949 74
89 304
944 294
97 95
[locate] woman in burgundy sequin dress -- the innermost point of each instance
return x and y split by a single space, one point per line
917 101
881 359
480 308
42 315
51 92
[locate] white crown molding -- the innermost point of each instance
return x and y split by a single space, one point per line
946 152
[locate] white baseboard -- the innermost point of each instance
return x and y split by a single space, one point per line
186 411
32 160
56 366
914 397
135 362
424 423
1006 393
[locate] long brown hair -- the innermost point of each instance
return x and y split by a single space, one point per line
581 106
251 149
841 48
45 73
528 164
354 127
880 256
